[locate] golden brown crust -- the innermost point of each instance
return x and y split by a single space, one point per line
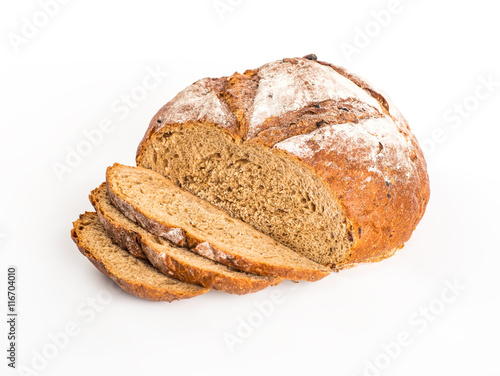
383 199
238 92
124 238
250 266
140 290
192 274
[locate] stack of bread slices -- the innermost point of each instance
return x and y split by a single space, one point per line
160 242
288 171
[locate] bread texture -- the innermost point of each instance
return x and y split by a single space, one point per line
159 206
135 276
301 150
172 260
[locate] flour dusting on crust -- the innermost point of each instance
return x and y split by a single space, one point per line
199 102
175 235
291 84
375 143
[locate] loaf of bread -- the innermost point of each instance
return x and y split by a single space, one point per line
303 151
285 171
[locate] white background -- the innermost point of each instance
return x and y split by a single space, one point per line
430 56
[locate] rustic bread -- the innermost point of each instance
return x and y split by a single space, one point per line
158 205
136 276
303 151
172 260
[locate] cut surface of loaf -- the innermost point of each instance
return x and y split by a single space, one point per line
172 260
135 276
159 206
302 150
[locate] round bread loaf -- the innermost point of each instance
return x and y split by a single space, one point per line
302 150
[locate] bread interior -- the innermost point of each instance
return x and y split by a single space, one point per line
265 188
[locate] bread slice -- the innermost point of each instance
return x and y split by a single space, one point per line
136 276
159 206
172 260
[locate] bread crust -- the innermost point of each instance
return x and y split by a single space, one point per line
139 290
175 267
125 238
191 274
379 174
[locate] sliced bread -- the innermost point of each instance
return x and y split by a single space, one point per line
172 260
135 276
304 151
159 206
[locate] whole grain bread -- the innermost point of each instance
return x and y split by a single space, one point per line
159 206
135 276
172 260
303 151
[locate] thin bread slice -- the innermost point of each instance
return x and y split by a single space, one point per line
161 207
170 259
136 276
